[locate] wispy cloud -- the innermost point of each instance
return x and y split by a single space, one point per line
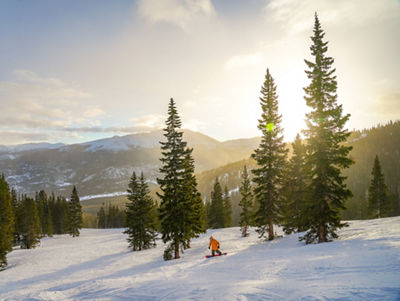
32 102
246 60
295 14
16 137
177 12
150 121
388 104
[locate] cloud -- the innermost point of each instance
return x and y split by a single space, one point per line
94 112
149 121
32 77
47 104
296 14
388 104
14 137
111 129
246 60
177 12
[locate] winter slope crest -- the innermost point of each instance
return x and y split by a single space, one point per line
363 265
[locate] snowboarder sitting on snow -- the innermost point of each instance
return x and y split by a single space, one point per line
214 244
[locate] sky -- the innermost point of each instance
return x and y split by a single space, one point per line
74 71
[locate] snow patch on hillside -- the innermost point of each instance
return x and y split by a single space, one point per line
104 195
363 265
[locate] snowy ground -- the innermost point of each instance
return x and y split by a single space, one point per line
363 265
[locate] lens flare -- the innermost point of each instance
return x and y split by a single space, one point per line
270 127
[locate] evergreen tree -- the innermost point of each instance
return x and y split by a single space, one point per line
326 153
101 218
246 203
41 199
16 207
270 157
294 190
6 222
227 209
115 217
140 215
172 211
216 218
30 225
379 204
195 217
49 211
75 214
61 215
45 215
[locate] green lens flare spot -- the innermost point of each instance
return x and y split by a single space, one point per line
270 127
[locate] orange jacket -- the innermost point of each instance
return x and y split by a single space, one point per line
214 244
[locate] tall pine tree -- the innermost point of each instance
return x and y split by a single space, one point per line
30 224
6 222
75 214
60 215
173 211
270 157
294 190
326 153
216 216
195 221
140 215
246 203
16 205
227 208
379 204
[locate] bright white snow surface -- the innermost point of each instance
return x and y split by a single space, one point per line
364 264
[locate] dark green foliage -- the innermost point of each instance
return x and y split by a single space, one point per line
173 212
216 216
16 205
326 153
60 215
295 190
167 255
6 222
379 204
227 208
101 218
75 214
270 157
195 216
110 217
246 203
30 224
45 215
382 140
140 215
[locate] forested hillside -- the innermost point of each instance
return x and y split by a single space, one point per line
382 140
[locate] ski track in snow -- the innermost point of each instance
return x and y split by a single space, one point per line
364 264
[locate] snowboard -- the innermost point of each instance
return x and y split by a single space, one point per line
209 256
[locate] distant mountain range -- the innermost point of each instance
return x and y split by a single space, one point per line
101 169
104 166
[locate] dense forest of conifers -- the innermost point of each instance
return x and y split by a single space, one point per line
382 140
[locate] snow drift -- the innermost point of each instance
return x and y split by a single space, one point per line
363 265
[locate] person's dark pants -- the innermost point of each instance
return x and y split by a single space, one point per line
213 252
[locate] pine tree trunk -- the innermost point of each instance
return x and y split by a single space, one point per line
271 230
321 233
188 244
177 250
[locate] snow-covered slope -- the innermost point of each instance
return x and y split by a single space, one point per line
29 147
363 265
